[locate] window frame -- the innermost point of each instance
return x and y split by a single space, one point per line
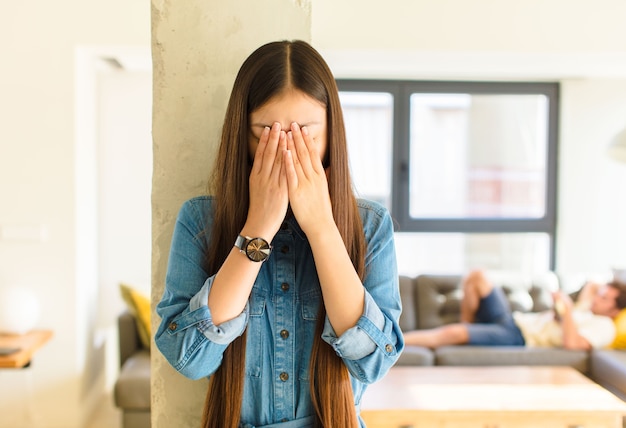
401 91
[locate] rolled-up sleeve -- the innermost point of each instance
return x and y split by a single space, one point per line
374 344
362 339
186 336
224 333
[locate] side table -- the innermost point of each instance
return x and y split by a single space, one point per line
26 345
18 362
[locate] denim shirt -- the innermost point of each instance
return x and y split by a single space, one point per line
280 316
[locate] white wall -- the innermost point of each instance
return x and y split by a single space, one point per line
38 187
592 205
470 26
125 183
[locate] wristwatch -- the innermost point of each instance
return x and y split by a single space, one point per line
257 249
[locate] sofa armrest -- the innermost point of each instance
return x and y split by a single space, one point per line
132 388
608 368
129 342
408 317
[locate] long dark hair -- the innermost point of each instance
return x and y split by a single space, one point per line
267 72
620 299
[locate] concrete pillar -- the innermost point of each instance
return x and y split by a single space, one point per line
197 48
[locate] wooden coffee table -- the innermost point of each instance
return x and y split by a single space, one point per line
489 397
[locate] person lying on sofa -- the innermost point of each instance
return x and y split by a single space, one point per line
486 319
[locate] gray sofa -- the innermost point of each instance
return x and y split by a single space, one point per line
433 300
132 388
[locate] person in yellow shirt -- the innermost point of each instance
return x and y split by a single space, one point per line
486 319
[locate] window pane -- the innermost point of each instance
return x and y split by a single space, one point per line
368 118
478 155
459 252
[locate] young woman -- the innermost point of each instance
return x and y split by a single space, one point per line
282 287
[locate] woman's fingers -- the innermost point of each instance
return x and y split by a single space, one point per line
267 184
290 170
269 150
269 154
278 155
260 149
305 149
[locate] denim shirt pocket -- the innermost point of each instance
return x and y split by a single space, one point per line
256 330
310 302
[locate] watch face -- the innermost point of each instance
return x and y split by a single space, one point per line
258 250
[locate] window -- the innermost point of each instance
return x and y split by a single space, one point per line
467 169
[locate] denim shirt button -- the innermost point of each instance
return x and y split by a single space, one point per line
284 249
284 286
173 326
284 334
284 377
389 348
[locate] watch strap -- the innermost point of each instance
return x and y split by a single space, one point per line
240 242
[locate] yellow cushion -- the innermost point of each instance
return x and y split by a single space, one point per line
138 305
620 327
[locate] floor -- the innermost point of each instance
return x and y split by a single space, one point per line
106 416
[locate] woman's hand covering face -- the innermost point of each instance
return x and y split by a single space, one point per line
268 184
306 179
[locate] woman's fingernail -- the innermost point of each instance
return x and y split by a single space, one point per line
305 130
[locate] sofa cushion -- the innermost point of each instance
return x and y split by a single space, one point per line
438 300
620 331
510 356
608 368
132 388
139 305
416 356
